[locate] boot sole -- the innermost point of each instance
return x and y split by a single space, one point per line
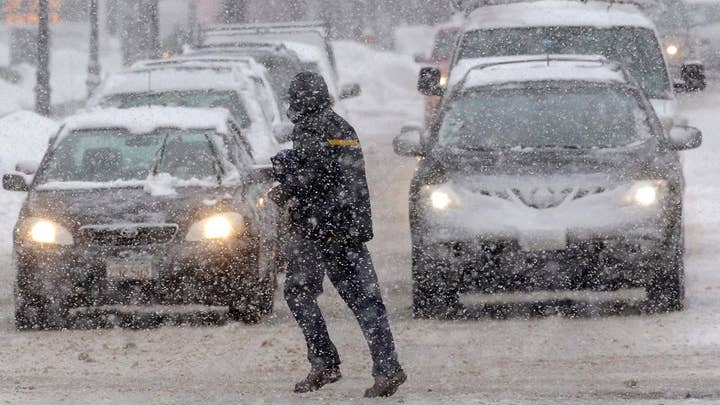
316 388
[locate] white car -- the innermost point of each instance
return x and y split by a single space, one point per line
194 87
620 32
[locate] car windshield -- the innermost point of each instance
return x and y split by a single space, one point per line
536 118
230 100
636 48
106 155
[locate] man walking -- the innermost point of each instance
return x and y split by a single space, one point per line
323 185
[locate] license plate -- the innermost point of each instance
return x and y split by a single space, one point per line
543 240
133 268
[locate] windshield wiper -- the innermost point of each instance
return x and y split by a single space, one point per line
162 154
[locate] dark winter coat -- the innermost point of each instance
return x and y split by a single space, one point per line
323 176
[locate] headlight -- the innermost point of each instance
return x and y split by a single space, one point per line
672 50
47 232
646 193
443 80
440 200
217 227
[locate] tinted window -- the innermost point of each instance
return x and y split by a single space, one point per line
584 118
636 48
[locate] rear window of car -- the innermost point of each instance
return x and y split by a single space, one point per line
636 48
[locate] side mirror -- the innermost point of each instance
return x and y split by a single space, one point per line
684 137
429 82
283 132
28 167
420 58
693 74
350 91
15 182
409 142
262 174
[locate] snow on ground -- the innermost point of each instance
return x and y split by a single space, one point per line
508 353
25 135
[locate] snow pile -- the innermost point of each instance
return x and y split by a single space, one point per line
25 135
388 81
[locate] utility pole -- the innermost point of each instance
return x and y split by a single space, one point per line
42 85
94 69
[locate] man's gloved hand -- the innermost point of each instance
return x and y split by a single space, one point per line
279 196
285 165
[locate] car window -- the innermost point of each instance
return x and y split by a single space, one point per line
106 155
636 48
575 117
191 99
444 45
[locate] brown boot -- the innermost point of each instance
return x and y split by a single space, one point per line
316 379
386 386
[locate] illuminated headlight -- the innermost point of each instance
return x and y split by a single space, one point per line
217 227
47 232
443 80
442 198
672 50
646 194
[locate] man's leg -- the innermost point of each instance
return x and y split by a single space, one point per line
356 281
303 285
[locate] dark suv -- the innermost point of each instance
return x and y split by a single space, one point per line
144 206
546 173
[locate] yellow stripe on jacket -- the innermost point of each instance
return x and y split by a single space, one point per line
344 142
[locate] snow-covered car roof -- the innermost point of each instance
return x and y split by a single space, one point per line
594 69
245 62
169 78
147 119
549 13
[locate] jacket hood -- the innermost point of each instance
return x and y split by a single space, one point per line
308 95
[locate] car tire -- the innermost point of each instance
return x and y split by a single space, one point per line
257 296
666 288
435 294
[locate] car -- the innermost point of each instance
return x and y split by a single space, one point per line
200 86
281 63
242 65
309 40
620 32
139 206
442 52
671 18
546 173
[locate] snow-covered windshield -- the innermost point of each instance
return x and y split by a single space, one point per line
544 117
636 48
107 155
230 100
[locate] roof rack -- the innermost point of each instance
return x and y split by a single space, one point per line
544 58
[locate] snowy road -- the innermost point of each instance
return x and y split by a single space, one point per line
507 352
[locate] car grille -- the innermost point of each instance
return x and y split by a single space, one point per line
128 236
543 197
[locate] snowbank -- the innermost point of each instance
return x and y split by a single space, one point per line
388 81
25 135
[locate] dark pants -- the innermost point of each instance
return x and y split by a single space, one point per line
352 273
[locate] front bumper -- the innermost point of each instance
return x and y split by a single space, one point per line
183 273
